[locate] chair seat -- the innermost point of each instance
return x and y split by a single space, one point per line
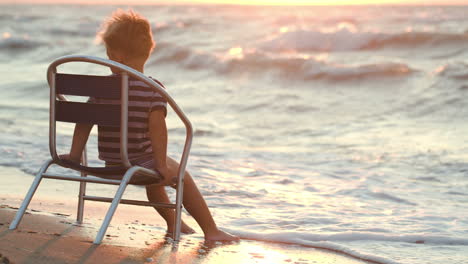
112 173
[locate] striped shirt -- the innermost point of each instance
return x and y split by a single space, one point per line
142 100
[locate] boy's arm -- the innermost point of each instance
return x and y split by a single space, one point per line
158 137
80 137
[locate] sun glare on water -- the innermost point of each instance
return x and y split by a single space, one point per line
325 3
251 2
311 2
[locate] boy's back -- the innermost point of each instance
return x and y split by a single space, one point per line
142 101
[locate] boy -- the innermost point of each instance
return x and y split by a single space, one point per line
128 39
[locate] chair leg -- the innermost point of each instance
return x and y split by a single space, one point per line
82 192
178 210
81 201
29 195
115 202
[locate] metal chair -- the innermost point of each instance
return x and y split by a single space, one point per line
110 87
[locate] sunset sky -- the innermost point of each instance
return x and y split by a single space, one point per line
252 2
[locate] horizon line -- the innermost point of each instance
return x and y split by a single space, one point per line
226 4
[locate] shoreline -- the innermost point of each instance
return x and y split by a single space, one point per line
47 237
49 233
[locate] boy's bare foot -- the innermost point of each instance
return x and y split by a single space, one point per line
221 236
184 229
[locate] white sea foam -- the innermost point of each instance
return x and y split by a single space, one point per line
299 68
319 241
336 242
456 70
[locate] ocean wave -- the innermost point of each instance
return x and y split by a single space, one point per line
7 17
21 18
311 69
17 43
301 239
369 236
82 32
416 39
299 68
360 72
334 242
389 197
455 70
348 40
174 25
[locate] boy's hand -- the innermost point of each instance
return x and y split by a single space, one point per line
69 157
168 179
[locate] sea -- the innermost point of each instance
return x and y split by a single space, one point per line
340 127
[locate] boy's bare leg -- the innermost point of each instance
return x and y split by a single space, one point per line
197 207
157 194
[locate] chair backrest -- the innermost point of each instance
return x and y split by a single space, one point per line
106 87
110 87
102 87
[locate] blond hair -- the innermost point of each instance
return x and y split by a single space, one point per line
127 32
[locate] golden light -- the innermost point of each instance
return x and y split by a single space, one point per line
250 253
6 35
284 29
250 2
325 3
236 52
308 2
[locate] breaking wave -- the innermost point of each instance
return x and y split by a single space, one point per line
333 242
17 44
348 40
455 70
300 68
